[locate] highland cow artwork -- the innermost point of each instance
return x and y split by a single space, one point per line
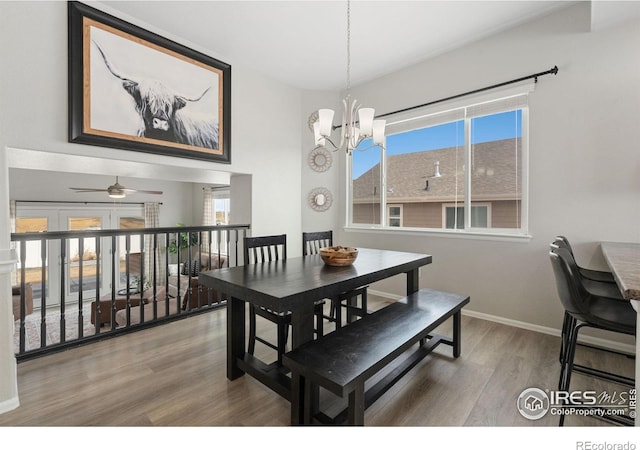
134 90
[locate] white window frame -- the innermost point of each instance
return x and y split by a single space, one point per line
488 103
473 205
389 216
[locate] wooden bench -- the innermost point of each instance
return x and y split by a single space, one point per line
342 361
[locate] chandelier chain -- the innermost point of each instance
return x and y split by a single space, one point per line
348 46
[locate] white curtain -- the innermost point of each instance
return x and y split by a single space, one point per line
207 216
152 220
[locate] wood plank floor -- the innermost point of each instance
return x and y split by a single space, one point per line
174 375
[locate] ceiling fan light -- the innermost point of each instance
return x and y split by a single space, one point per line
116 194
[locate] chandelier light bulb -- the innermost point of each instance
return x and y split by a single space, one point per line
365 116
325 118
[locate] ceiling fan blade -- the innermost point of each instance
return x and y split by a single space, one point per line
88 190
117 189
145 192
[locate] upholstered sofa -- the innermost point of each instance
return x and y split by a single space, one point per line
16 292
199 263
183 287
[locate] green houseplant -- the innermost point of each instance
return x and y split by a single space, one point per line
182 242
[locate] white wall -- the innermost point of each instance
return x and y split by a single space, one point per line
265 136
332 218
584 162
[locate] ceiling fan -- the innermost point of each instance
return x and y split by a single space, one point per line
116 190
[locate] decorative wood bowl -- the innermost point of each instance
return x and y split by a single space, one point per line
338 255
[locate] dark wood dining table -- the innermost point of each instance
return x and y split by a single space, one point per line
623 259
294 285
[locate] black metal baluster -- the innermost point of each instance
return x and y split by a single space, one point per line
141 278
189 268
43 274
80 287
63 297
179 241
167 239
127 278
219 255
23 286
114 285
199 301
155 275
237 233
97 315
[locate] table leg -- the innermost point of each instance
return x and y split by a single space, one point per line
413 281
302 324
235 336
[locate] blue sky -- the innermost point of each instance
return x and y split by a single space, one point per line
484 129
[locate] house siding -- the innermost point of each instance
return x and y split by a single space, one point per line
504 214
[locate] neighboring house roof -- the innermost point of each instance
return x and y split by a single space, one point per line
494 175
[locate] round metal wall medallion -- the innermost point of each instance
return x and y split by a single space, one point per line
320 199
320 159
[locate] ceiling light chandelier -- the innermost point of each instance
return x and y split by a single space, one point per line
358 123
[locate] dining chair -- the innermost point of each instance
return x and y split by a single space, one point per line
263 249
590 274
597 282
586 309
312 242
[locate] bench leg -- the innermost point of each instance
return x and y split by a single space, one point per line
304 400
297 394
457 335
356 406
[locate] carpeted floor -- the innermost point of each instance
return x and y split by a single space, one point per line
33 324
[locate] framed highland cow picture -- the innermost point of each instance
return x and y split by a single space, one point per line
132 89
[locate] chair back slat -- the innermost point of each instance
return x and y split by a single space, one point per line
312 242
265 248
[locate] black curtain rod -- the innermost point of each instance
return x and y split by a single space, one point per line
553 71
85 203
216 188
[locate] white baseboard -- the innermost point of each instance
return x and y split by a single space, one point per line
599 342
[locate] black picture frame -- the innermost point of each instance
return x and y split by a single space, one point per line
112 68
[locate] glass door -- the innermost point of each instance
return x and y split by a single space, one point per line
85 259
37 256
129 221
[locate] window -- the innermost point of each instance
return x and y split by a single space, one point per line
217 211
459 168
454 216
221 210
395 215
